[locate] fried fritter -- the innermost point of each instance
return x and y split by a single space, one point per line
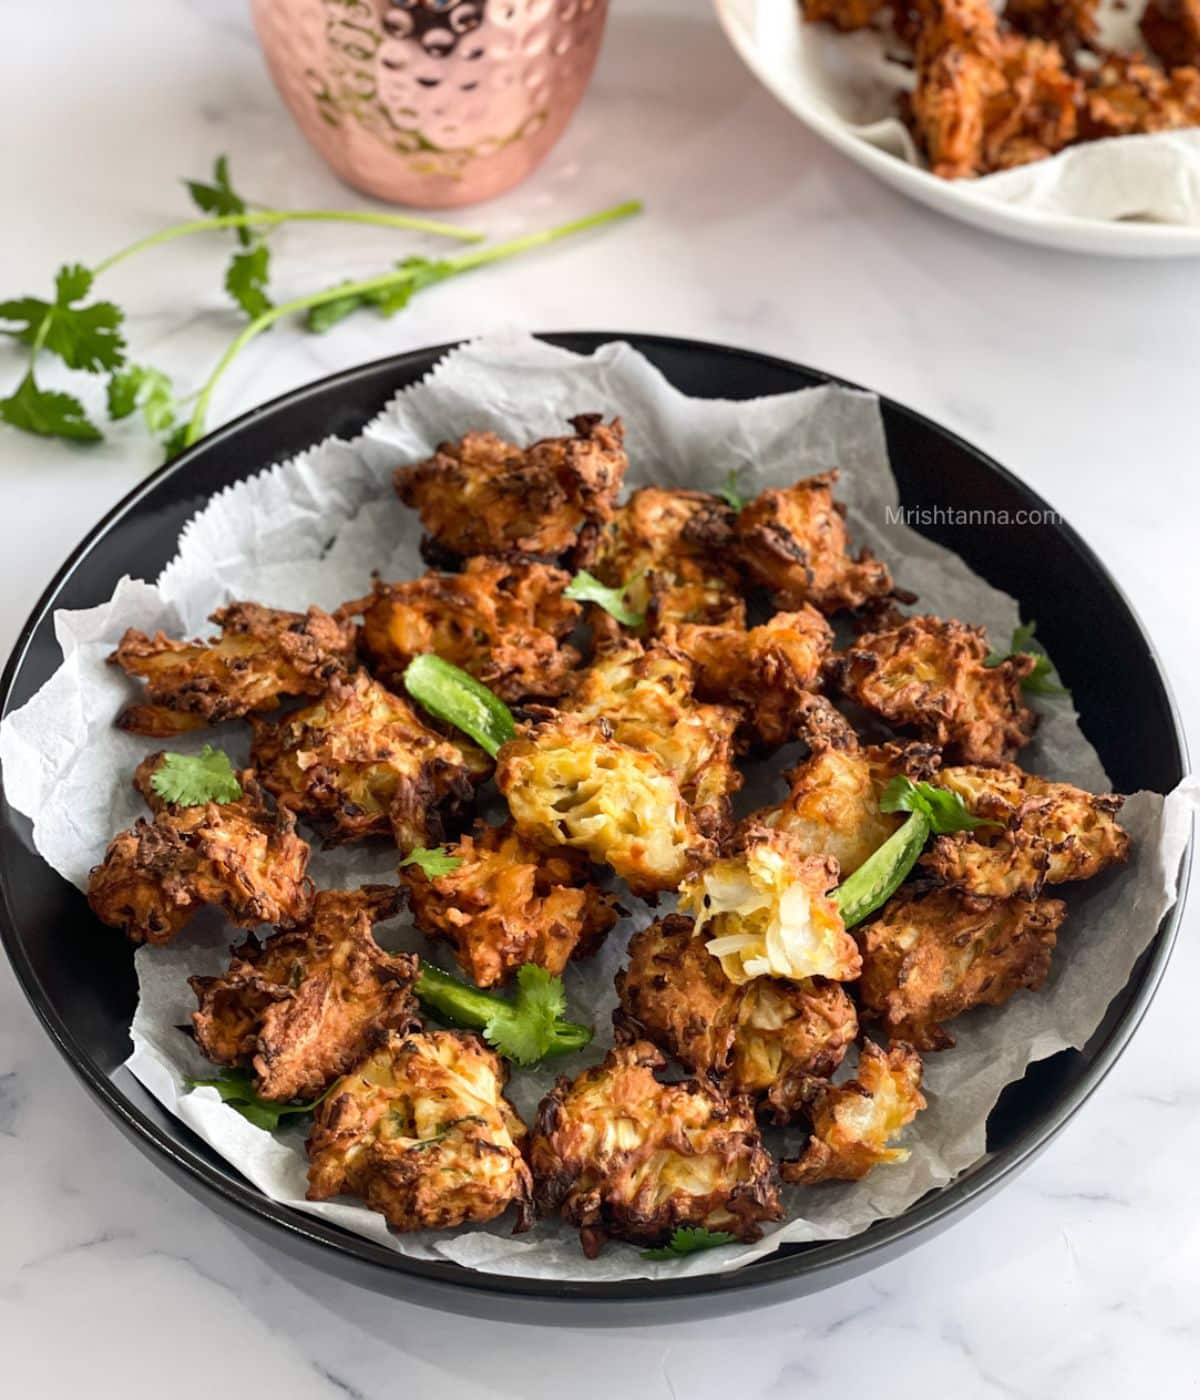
768 672
482 495
853 1122
1127 95
929 957
765 1038
1071 24
644 698
302 1008
358 762
846 15
624 1157
510 903
672 552
422 1132
504 622
239 856
1049 833
1172 30
932 675
569 783
261 655
794 542
767 911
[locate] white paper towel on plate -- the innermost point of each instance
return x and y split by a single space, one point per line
311 530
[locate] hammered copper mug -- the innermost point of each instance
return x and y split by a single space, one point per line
431 102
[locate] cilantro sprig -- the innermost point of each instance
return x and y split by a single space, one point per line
432 861
237 1091
945 811
1043 679
689 1239
188 779
730 494
587 588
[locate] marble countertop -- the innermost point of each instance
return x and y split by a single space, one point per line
1079 374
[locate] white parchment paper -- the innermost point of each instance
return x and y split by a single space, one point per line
311 530
856 78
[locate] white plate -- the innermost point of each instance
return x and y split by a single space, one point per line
776 65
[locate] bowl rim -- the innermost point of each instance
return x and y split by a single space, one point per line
789 1262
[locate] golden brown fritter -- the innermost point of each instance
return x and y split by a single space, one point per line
932 676
768 672
624 1157
833 806
765 911
846 15
261 655
1071 24
672 552
1049 833
1127 95
239 856
766 1038
302 1008
644 697
1172 30
504 622
482 495
509 903
852 1123
569 783
421 1131
929 957
358 763
794 542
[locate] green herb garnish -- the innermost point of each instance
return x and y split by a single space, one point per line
729 493
689 1239
433 861
450 694
188 779
587 588
1043 679
237 1090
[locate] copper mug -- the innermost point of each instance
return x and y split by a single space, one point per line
431 102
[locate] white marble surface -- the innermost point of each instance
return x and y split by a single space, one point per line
1080 1279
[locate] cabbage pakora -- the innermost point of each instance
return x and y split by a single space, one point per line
359 763
1047 834
672 552
482 495
853 1123
766 1038
300 1009
421 1131
930 956
569 783
624 1156
508 903
932 676
644 698
767 911
1126 96
795 544
261 656
239 856
504 622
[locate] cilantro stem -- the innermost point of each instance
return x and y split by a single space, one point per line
271 217
451 267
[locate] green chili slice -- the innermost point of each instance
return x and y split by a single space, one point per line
450 694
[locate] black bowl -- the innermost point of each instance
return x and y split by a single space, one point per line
79 976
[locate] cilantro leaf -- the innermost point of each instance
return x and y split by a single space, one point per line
142 386
187 780
523 1030
176 442
689 1239
433 861
237 1090
422 273
945 810
1042 680
246 280
220 199
48 413
83 337
587 588
729 493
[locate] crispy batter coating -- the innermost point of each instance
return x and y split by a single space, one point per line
767 911
853 1122
1050 833
302 1008
833 806
929 957
644 696
624 1157
261 655
794 542
482 495
768 672
845 15
673 551
1127 95
358 763
240 856
510 903
503 621
931 675
987 99
421 1131
765 1038
570 783
1071 24
1172 30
